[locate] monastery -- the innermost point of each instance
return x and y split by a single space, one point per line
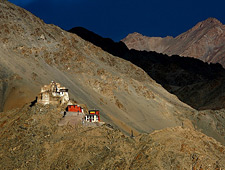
55 94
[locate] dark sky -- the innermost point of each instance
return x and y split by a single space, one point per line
117 18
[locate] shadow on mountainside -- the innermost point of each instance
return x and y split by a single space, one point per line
199 84
107 44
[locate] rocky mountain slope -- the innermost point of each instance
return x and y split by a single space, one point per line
204 41
193 81
196 83
34 53
30 138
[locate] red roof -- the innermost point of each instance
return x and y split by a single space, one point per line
74 108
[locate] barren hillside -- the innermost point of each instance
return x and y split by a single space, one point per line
34 53
30 138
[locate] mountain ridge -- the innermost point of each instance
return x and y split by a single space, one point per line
204 41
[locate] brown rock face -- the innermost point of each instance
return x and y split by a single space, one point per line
204 41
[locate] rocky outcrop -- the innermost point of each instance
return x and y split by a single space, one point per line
204 41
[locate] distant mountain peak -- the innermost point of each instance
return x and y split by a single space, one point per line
204 41
212 21
136 33
208 23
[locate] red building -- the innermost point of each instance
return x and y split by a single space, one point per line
74 108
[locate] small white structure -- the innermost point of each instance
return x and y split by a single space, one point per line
91 118
53 94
